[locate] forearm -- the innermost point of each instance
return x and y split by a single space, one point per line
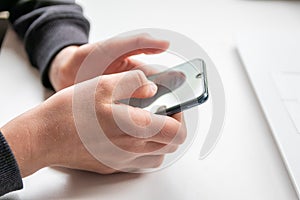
36 138
47 27
26 145
61 75
22 134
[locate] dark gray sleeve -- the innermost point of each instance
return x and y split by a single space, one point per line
47 27
10 178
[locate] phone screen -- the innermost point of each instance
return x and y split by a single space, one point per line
179 88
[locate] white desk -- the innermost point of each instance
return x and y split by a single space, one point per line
245 164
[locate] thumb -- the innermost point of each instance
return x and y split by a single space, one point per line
132 84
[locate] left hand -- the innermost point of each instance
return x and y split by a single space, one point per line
67 62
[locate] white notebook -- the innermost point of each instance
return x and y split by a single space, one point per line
272 62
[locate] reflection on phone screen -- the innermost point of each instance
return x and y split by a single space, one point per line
176 86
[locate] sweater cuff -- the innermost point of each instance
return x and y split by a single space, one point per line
10 177
50 38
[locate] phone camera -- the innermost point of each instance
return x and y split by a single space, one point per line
200 75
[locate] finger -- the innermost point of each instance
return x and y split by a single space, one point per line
127 46
136 122
131 64
144 162
183 130
174 131
178 116
140 146
166 83
147 69
154 148
170 79
130 84
140 123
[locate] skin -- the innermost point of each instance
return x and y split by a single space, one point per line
67 62
47 136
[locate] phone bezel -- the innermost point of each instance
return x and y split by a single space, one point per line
193 102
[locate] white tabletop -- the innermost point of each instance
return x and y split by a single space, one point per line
245 163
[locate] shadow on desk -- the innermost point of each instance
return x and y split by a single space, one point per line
76 185
82 183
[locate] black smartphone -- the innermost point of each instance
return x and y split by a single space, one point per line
179 88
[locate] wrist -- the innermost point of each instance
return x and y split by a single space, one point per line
26 137
61 74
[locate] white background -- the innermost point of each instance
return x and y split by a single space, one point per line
245 164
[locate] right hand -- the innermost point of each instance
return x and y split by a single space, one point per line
54 140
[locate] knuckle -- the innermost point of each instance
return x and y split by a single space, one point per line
65 70
168 130
166 133
141 78
173 148
181 136
104 86
103 92
140 38
175 131
136 146
157 162
104 110
140 121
